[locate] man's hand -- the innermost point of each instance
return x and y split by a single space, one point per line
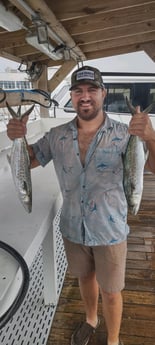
141 126
17 128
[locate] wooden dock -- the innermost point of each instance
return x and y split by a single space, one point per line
138 324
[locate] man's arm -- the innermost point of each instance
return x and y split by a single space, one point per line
150 163
141 125
17 129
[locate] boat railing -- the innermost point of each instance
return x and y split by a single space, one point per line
27 232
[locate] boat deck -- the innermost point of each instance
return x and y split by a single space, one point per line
139 294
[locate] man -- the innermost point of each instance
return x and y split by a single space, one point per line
87 154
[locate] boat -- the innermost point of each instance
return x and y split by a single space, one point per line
31 236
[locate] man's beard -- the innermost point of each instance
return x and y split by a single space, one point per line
87 114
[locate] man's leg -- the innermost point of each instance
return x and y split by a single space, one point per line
112 312
89 293
110 263
81 264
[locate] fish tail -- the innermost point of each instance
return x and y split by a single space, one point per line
11 111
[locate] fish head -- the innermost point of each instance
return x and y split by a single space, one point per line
27 202
25 195
134 203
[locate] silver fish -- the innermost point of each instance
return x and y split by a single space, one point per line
20 164
133 163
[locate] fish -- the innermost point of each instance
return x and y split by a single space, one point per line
20 164
134 161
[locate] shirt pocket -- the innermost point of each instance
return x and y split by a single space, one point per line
107 159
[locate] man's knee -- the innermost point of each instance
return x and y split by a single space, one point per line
111 297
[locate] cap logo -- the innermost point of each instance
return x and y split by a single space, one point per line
85 75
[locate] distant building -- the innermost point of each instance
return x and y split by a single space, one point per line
14 80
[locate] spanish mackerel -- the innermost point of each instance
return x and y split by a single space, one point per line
20 164
133 162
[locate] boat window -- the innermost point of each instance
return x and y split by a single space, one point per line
68 108
115 100
139 93
9 84
23 84
151 98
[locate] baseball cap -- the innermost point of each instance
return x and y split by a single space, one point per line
86 74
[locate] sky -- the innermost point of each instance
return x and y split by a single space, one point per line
133 62
4 63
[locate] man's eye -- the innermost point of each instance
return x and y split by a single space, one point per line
93 89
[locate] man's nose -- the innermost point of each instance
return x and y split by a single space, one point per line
85 95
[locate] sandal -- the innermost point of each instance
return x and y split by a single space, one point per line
83 333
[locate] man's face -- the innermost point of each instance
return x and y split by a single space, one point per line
87 100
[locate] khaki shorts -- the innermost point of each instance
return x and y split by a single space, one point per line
109 263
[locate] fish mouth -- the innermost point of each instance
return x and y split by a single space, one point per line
27 205
134 208
26 201
28 208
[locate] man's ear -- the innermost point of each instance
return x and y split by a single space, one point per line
104 92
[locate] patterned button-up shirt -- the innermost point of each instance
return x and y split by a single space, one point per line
94 210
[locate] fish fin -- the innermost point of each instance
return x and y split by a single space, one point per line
28 204
146 152
9 159
133 187
25 186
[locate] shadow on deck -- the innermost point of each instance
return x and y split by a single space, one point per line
138 324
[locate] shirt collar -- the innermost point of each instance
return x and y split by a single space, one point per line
108 124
